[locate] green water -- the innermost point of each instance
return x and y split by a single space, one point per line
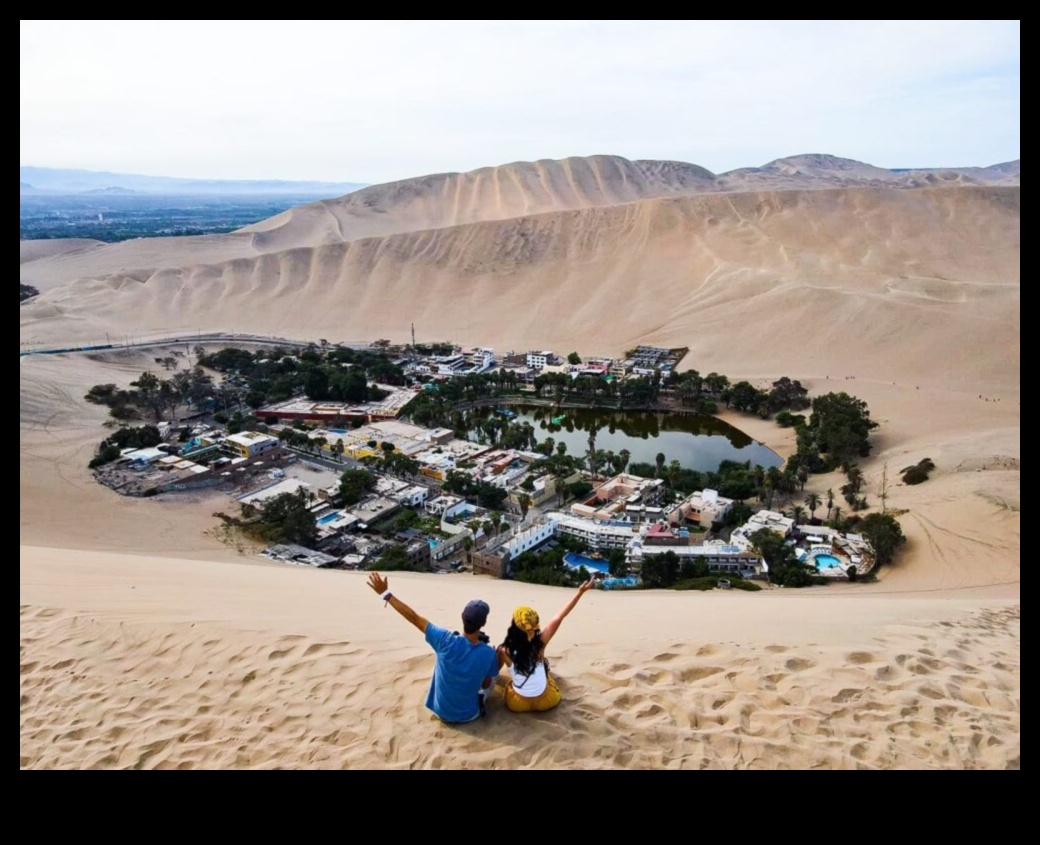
697 441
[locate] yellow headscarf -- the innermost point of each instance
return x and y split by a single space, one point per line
526 619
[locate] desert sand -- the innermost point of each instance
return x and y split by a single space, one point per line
147 641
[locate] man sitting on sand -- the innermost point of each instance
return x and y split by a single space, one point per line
466 665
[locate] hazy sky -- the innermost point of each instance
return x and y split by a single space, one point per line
373 101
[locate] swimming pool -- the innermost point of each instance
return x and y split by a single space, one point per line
826 562
576 561
337 431
329 517
627 583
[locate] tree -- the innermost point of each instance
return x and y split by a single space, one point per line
884 534
617 564
812 502
573 358
784 567
286 519
524 501
148 386
660 570
841 425
354 483
659 461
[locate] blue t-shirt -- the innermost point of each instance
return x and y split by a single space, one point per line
462 667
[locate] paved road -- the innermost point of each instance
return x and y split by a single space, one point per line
200 338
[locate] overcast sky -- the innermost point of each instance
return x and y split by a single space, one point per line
373 101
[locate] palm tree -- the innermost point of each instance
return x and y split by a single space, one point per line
836 517
798 514
812 502
830 502
624 456
592 450
496 522
659 461
525 503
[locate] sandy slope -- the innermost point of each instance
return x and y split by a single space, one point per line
146 641
162 663
874 280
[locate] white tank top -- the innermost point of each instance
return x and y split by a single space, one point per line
533 685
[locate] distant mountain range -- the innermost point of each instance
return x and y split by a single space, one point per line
48 180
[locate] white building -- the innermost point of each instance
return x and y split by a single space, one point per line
596 535
772 520
528 538
447 506
703 507
249 444
449 365
479 359
720 557
539 360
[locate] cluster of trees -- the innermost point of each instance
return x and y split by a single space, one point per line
697 391
140 437
838 432
274 374
784 567
637 392
438 406
461 484
785 394
547 566
354 484
154 396
282 519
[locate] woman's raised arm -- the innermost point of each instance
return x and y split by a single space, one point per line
549 631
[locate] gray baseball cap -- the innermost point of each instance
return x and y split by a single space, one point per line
475 614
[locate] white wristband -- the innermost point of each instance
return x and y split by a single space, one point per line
386 595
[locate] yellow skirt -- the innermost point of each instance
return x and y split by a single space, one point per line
546 701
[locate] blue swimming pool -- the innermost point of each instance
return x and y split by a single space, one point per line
826 562
337 431
593 564
329 517
629 582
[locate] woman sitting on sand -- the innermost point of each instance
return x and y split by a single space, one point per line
532 687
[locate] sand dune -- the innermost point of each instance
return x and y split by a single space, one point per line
881 277
147 641
183 664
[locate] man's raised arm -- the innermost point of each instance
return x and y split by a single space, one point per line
382 586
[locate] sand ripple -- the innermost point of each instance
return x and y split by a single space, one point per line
100 693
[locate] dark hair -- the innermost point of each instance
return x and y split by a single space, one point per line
524 653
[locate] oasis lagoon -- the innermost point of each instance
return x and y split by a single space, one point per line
696 441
